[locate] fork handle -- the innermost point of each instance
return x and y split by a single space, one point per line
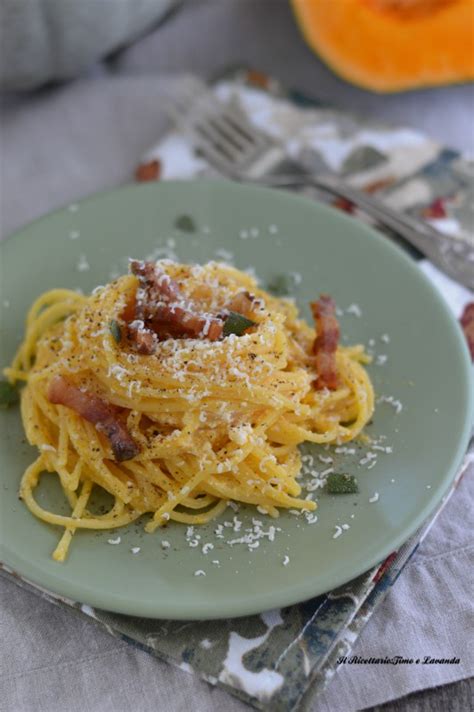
454 256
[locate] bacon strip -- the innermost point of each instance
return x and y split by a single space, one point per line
164 311
144 339
325 343
95 411
178 322
157 282
467 323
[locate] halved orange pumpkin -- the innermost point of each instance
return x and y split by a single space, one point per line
392 45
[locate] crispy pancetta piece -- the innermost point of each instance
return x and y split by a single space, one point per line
173 320
467 323
326 341
96 411
157 283
163 310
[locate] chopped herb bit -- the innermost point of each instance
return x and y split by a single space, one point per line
185 223
339 483
282 284
116 331
236 324
8 394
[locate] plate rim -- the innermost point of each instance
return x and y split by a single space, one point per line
57 586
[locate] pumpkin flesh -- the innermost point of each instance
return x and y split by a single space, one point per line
392 45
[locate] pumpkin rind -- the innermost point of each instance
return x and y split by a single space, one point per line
392 45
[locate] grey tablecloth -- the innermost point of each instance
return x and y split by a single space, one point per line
63 143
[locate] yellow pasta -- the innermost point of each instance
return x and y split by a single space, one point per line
213 421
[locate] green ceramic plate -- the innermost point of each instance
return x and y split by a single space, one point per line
426 369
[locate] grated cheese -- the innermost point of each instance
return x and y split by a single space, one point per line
324 459
82 264
344 450
397 405
369 456
355 310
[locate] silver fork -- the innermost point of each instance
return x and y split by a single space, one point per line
227 140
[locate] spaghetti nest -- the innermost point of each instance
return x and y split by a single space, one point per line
212 420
